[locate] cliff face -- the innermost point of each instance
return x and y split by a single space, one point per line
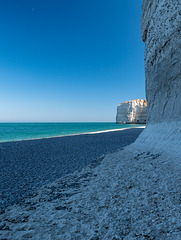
161 32
132 112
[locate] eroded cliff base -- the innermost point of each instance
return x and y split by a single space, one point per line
164 137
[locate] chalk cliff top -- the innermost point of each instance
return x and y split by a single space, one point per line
136 101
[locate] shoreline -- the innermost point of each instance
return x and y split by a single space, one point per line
76 134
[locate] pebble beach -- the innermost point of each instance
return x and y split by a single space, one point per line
27 165
128 194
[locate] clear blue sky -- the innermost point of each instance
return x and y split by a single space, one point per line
69 60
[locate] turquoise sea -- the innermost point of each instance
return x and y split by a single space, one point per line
24 131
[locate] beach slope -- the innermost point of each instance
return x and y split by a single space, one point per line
130 194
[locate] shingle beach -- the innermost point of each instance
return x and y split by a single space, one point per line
27 165
128 194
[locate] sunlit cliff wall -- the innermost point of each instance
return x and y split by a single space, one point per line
134 111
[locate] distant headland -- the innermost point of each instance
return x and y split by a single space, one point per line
134 111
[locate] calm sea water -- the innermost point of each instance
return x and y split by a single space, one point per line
24 131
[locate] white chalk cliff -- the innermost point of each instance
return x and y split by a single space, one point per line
134 111
161 32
